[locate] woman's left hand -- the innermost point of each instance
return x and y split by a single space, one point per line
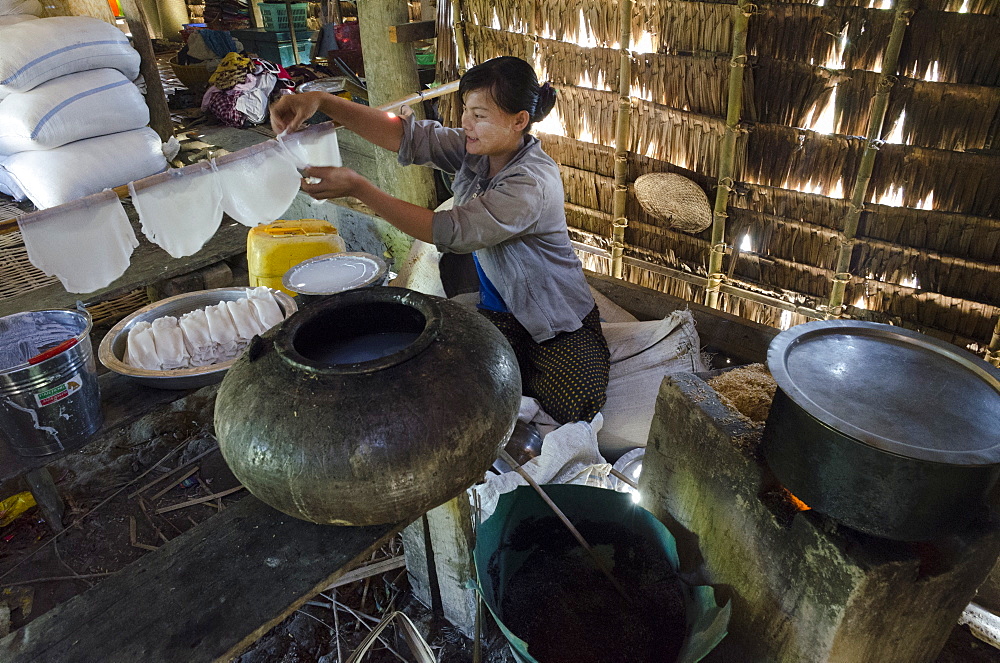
333 182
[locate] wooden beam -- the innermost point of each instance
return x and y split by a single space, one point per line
204 596
416 31
156 99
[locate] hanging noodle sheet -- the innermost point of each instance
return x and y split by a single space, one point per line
314 146
258 183
86 244
180 209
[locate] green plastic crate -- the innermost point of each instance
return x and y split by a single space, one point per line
275 15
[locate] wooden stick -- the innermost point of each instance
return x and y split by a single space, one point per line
199 500
619 475
58 579
367 571
174 483
145 512
507 458
176 469
333 606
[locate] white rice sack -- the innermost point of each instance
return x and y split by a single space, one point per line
70 108
14 19
38 51
53 177
15 7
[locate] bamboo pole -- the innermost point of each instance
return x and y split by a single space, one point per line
879 106
530 38
993 352
620 222
460 55
727 156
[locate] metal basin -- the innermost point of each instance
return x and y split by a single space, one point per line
112 348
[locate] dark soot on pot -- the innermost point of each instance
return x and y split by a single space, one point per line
567 610
359 333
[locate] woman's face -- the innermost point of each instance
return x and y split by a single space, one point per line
489 130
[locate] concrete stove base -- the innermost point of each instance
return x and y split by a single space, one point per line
803 589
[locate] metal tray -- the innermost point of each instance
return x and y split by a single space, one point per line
894 389
112 348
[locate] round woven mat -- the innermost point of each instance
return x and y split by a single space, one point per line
675 199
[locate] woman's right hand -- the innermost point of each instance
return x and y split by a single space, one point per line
291 111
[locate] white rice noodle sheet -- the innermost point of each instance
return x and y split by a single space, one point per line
197 338
259 183
265 306
180 209
86 244
315 145
170 343
140 350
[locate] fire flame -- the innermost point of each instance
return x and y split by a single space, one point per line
797 503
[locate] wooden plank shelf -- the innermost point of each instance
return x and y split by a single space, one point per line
204 596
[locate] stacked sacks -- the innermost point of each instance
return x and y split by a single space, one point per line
18 11
72 123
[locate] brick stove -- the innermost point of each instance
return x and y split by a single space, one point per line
803 588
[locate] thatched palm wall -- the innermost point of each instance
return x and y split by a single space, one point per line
935 210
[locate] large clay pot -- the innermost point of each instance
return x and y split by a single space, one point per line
329 436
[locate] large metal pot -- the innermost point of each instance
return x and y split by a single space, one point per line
883 429
373 438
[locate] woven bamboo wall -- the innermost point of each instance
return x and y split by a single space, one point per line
928 255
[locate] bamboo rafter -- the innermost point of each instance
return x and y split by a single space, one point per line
727 156
622 126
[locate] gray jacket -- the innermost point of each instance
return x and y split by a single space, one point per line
515 222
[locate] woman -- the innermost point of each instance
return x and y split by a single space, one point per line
508 212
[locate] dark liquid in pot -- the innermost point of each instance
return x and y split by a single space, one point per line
363 348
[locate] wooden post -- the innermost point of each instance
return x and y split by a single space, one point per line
291 31
159 114
741 18
880 103
391 71
620 222
993 352
457 26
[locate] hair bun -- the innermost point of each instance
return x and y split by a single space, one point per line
546 100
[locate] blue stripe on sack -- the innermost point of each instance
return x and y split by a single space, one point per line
31 64
48 116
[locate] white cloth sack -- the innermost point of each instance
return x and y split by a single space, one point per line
85 244
53 177
569 455
180 209
642 353
22 7
38 51
14 19
70 108
259 183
